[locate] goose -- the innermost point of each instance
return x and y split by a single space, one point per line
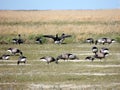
39 40
67 56
104 50
72 56
100 55
90 40
109 41
58 39
22 59
100 41
94 49
20 41
63 56
14 51
17 40
5 57
49 59
89 58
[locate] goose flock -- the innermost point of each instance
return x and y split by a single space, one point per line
97 53
103 52
13 52
100 41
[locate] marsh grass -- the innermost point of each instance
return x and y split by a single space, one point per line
81 24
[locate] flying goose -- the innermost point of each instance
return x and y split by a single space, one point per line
57 39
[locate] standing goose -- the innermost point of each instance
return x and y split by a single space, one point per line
90 40
109 41
22 59
49 59
5 57
14 51
18 40
57 39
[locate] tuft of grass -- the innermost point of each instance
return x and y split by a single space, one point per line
118 39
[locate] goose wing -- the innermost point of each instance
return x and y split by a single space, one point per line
49 36
65 36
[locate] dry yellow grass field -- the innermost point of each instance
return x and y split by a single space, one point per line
78 22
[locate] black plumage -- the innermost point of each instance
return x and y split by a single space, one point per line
89 58
38 40
17 40
57 39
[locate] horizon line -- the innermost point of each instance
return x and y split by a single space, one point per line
53 9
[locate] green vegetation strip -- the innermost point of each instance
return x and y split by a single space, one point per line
61 23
